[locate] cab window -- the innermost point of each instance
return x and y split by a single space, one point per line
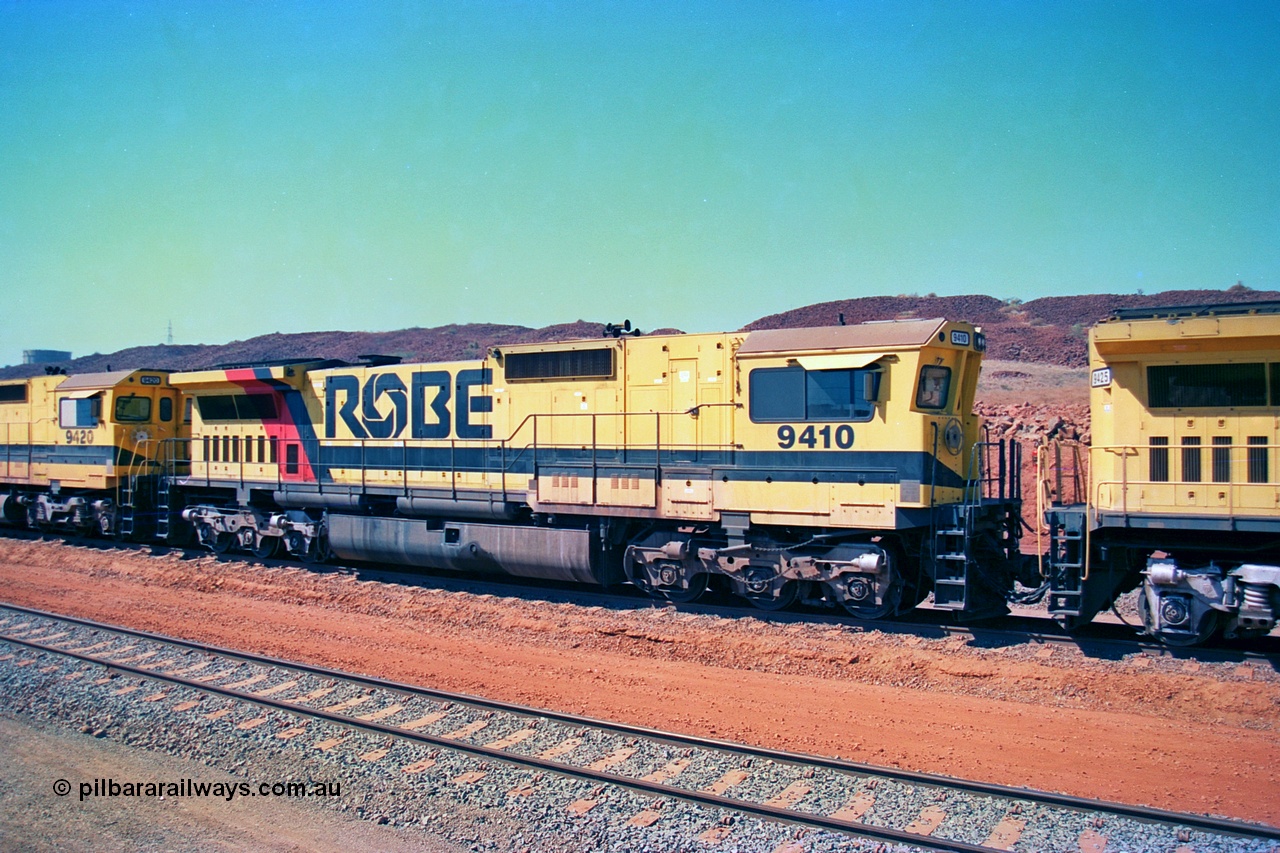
79 414
131 409
935 386
166 409
796 394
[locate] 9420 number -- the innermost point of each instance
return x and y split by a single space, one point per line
79 436
812 437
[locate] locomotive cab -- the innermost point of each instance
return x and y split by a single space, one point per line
1182 496
85 452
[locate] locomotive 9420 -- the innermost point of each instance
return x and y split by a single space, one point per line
77 453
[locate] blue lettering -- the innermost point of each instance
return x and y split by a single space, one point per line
350 387
422 381
467 403
424 407
379 425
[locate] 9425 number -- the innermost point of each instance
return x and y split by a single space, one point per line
812 437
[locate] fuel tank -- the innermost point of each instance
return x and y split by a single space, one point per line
522 551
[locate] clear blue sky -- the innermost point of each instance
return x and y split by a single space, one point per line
242 168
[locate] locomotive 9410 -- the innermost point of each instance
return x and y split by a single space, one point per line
840 464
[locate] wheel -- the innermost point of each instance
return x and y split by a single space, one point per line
220 543
1209 624
676 595
266 547
296 544
888 607
318 552
313 553
786 597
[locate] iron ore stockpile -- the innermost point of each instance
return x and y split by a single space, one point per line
499 776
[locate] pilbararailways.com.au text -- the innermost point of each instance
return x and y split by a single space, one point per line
228 791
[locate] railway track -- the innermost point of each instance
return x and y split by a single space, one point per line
1101 639
421 726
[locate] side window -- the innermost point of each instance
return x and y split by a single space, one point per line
166 409
79 414
841 395
131 409
935 386
777 394
796 394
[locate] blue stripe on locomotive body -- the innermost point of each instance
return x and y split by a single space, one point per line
681 402
868 466
97 455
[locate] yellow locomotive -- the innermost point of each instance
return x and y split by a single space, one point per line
83 453
840 464
1181 494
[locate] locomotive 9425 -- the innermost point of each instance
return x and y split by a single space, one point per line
1179 494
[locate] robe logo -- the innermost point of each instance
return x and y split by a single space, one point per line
384 406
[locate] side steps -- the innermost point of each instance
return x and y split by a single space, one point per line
959 561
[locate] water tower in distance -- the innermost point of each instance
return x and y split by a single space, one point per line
43 356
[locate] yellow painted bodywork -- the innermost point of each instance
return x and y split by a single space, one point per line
683 399
1124 424
41 451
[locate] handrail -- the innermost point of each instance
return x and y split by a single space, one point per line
1124 481
510 453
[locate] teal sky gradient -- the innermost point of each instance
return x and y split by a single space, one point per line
244 168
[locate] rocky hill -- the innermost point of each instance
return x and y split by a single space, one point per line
1051 330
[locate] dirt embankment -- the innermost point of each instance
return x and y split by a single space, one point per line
1156 732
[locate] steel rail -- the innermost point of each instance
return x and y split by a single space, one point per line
599 776
1143 813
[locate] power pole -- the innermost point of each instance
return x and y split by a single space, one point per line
169 340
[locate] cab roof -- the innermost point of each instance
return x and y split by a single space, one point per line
86 381
882 335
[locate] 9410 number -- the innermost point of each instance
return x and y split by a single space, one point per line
812 437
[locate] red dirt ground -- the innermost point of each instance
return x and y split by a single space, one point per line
1188 737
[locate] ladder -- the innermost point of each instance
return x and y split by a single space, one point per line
128 499
974 537
162 505
952 559
1065 569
